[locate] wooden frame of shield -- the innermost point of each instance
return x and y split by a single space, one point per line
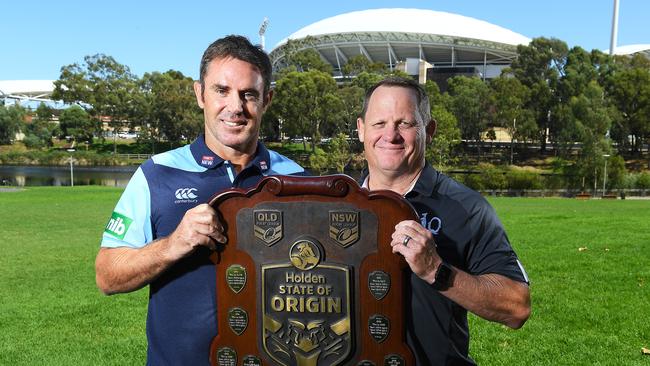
308 277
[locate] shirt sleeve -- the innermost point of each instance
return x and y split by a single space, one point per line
130 222
491 251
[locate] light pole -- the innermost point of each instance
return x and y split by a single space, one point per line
605 173
71 169
262 30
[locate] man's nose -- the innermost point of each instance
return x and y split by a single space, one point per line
235 103
392 134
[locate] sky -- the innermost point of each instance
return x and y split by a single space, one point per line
41 36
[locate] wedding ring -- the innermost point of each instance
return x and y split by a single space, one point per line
406 240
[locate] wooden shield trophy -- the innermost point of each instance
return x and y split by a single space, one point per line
308 277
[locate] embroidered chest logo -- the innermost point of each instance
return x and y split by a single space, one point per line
434 224
207 160
185 195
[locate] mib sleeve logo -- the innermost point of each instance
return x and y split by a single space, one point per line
344 227
118 225
268 226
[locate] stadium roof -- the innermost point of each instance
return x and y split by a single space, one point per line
392 35
410 21
632 49
26 89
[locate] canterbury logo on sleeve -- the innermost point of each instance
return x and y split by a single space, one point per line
118 225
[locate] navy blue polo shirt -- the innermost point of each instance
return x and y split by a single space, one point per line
181 319
469 236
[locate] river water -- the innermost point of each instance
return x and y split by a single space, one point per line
60 175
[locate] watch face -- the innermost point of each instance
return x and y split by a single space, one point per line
443 277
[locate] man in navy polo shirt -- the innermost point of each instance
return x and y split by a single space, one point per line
162 232
458 252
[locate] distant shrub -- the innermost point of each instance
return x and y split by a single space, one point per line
522 179
643 181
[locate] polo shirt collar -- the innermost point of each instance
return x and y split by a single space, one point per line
203 155
209 160
426 182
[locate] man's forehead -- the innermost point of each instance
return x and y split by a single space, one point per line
393 96
217 64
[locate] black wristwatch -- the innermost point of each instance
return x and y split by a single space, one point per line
443 277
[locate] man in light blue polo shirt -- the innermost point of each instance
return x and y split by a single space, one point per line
162 232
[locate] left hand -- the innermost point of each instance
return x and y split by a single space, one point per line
420 251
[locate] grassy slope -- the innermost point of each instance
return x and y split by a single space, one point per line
589 307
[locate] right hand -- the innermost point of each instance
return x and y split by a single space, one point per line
200 226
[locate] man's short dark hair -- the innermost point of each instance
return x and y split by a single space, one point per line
241 48
423 107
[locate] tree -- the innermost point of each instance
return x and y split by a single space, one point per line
77 123
365 80
470 105
339 152
168 106
447 136
299 56
306 102
592 118
508 98
359 63
40 131
539 66
11 122
101 85
352 100
629 89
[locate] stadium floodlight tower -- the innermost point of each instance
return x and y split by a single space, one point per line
612 42
262 30
426 44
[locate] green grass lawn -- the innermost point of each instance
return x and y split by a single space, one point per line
590 307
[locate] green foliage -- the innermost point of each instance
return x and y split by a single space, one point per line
299 56
352 101
523 179
339 152
470 105
168 108
365 80
360 63
11 122
440 151
76 122
103 86
615 172
637 180
318 162
57 157
308 104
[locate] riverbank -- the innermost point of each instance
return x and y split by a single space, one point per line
62 158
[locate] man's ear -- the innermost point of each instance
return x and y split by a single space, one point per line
198 92
360 130
267 100
431 130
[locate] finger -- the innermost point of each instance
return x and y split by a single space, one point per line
219 237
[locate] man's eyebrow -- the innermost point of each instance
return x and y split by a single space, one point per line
219 86
252 91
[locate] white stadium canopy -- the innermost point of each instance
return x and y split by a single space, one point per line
28 90
632 49
395 35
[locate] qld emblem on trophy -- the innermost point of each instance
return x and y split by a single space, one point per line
308 277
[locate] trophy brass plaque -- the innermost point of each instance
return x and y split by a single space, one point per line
236 277
308 277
